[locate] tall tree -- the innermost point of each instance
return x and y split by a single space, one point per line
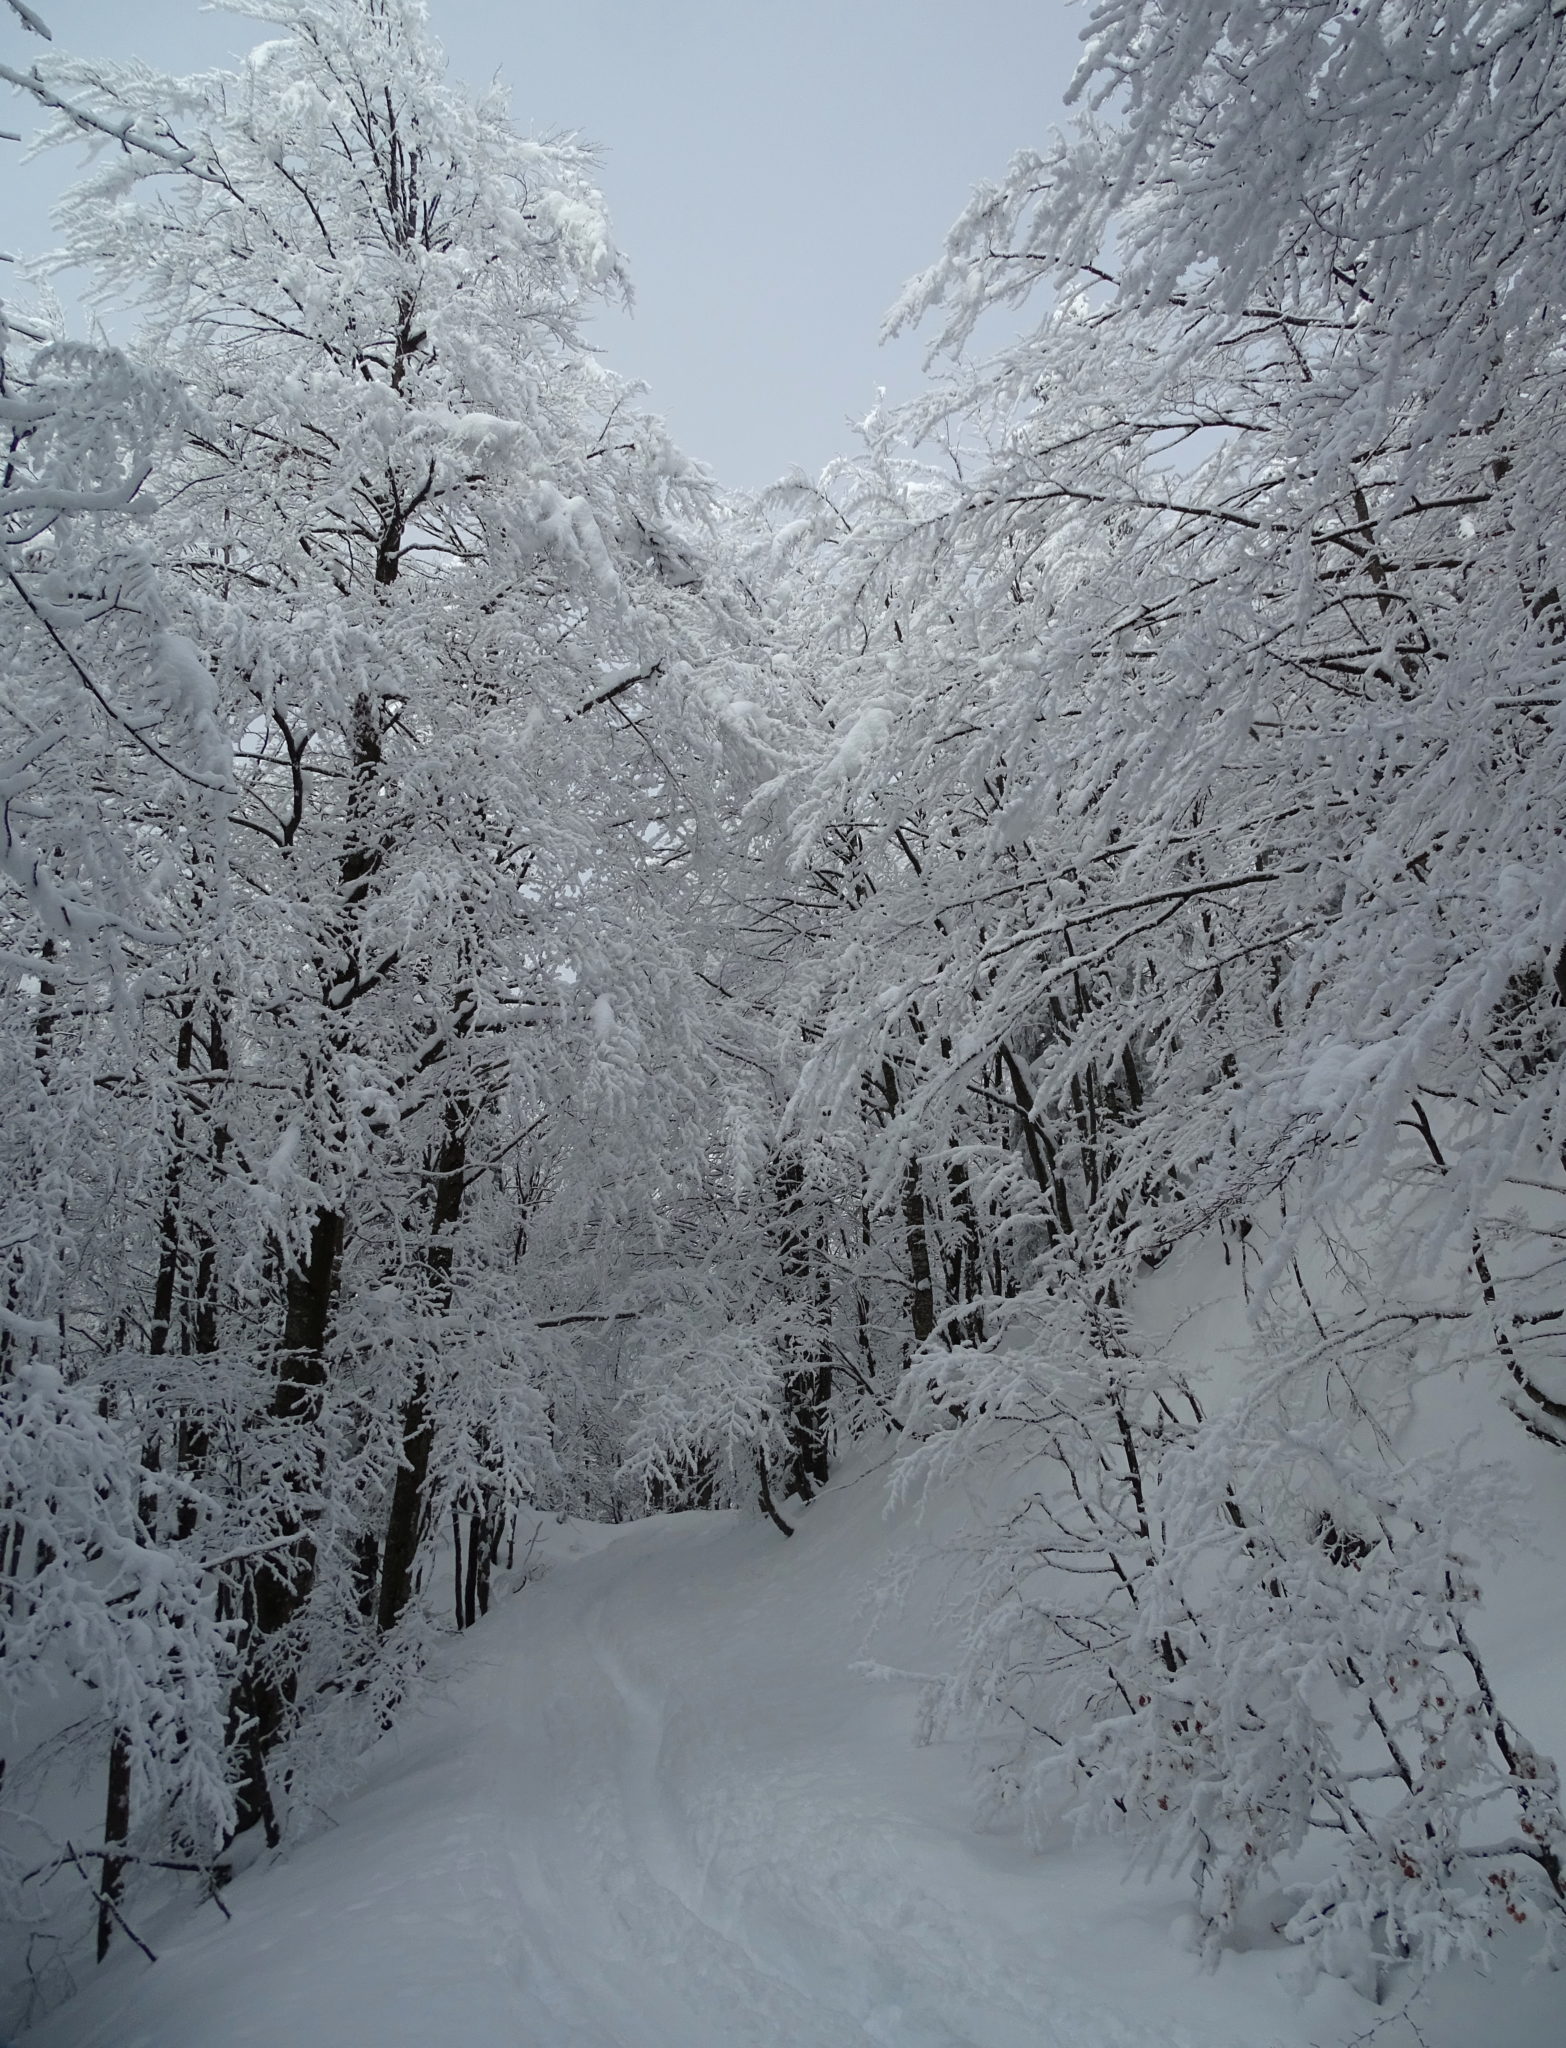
430 1033
1192 725
115 774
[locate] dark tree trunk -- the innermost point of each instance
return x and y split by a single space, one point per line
405 1517
768 1505
916 1228
116 1833
281 1582
470 1581
401 1546
366 1572
807 1387
967 1276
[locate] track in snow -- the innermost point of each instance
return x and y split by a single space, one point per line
654 1806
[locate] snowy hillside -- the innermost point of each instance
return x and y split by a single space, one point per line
656 1806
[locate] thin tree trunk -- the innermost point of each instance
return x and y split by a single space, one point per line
117 1800
916 1229
116 1833
281 1583
470 1579
767 1505
808 1384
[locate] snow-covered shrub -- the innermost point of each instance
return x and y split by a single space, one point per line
1301 1663
88 1597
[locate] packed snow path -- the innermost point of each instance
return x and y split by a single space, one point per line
654 1806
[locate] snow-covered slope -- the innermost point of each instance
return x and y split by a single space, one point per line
654 1805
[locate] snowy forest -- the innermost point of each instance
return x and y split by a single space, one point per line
540 991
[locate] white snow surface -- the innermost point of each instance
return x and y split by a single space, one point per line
652 1803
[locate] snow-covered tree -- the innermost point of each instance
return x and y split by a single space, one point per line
432 552
414 778
116 776
1194 733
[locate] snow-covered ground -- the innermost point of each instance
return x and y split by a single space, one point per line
653 1804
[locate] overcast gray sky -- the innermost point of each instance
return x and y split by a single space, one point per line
774 171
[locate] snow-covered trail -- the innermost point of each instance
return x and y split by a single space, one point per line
655 1807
